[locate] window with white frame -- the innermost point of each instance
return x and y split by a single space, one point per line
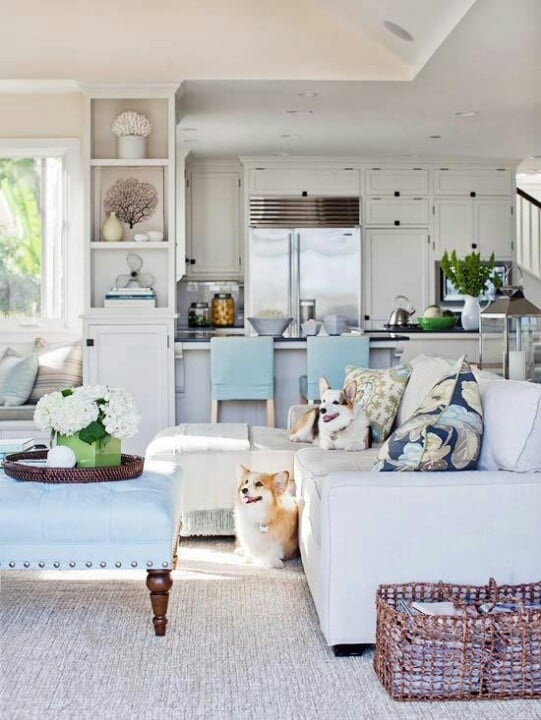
36 245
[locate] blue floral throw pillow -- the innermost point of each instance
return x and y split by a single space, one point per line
445 431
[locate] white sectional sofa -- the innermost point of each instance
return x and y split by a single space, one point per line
360 528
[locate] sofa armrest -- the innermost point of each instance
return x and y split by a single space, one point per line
294 413
378 528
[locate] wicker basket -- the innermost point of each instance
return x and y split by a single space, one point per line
131 466
495 655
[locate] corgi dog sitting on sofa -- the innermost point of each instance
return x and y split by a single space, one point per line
266 517
337 423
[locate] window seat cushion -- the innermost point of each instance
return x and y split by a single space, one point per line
17 412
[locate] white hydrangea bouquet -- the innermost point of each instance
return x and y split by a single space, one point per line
91 415
131 123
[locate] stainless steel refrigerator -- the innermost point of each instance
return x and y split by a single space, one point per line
288 264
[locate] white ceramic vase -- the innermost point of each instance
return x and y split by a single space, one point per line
131 147
470 313
112 229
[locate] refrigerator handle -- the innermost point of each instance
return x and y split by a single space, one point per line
298 283
290 278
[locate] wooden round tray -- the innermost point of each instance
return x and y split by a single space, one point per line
131 467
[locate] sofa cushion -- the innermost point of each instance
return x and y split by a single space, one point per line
59 367
17 375
512 415
444 434
17 412
317 463
379 393
426 371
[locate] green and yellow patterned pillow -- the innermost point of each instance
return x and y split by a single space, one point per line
444 433
379 393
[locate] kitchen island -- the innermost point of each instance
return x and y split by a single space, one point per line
192 365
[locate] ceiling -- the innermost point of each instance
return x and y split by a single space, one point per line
488 64
168 40
244 63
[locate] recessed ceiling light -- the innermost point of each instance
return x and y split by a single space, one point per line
191 140
398 31
299 112
466 113
189 129
308 94
435 137
535 157
290 135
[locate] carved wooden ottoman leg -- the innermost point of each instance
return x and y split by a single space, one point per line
159 583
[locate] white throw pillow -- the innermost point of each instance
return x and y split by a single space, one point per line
512 416
17 375
426 371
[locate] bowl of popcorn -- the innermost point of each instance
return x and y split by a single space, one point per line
270 322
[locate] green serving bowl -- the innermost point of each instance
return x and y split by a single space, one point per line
437 324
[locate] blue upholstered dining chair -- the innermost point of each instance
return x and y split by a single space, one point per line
328 356
242 368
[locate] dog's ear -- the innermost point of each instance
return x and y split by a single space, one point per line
280 481
242 471
350 391
323 385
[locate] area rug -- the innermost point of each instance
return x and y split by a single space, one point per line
242 644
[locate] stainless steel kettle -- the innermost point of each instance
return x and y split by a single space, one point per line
401 315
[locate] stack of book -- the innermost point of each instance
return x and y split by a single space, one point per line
130 297
14 445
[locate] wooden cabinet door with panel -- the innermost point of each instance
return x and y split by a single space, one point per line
472 183
453 226
138 358
395 262
494 227
396 183
337 182
214 231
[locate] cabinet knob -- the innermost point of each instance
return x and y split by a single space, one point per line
192 261
397 222
90 342
474 246
473 193
367 317
304 193
397 193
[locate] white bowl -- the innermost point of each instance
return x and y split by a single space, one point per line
311 327
274 326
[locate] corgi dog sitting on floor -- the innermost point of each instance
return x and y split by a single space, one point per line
338 422
266 518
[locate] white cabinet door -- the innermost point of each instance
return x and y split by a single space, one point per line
482 225
312 181
214 232
494 227
138 358
395 262
453 225
396 211
473 182
395 183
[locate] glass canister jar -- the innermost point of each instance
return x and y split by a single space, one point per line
223 310
199 315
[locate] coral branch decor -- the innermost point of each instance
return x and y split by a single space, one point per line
131 123
132 200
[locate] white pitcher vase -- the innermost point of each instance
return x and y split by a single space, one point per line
470 313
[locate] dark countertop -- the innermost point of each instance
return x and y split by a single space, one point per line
205 336
414 330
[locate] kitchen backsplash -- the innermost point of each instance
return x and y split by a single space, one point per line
189 291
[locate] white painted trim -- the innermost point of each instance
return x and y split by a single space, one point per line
72 242
356 162
38 87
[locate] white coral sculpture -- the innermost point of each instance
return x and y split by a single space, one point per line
131 123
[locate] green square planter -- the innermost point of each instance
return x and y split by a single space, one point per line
102 453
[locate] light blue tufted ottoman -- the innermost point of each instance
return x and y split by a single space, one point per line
127 524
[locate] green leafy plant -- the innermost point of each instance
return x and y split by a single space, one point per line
469 274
